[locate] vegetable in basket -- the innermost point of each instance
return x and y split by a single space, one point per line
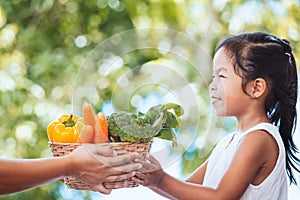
66 129
98 125
157 122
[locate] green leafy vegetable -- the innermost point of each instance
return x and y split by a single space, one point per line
157 122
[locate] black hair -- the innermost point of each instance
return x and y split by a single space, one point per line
261 55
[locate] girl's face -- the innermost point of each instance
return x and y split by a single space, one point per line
227 96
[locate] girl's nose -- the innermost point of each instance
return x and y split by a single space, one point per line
212 86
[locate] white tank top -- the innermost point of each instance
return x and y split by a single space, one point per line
274 187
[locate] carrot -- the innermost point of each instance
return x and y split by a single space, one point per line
88 115
91 119
99 135
103 124
86 135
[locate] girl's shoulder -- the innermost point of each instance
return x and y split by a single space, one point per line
264 144
265 131
270 128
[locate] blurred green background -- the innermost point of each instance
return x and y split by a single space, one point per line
43 43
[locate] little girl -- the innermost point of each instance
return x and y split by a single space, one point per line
255 80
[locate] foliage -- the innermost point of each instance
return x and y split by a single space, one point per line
44 43
157 122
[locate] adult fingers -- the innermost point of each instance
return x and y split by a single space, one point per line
120 159
128 168
119 177
104 150
121 152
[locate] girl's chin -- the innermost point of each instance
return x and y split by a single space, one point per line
220 113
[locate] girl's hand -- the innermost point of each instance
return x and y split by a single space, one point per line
151 174
95 164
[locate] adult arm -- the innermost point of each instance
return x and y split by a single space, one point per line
93 164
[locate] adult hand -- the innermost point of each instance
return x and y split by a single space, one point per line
97 163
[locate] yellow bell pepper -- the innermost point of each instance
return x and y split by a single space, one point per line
66 129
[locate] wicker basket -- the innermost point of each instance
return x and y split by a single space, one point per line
60 149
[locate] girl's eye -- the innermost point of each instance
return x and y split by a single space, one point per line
218 76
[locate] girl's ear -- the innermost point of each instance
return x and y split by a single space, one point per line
257 88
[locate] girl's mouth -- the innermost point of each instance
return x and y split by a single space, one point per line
215 99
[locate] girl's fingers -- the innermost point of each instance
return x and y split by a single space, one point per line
152 159
140 175
149 165
141 179
138 181
100 188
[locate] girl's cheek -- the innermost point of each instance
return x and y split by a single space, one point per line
222 87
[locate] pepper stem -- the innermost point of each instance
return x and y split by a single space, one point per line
70 122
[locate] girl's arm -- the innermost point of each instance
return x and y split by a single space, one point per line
162 193
196 177
92 164
251 164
